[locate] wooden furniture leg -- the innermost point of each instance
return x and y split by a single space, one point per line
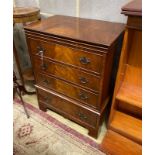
17 88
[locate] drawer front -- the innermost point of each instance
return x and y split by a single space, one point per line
63 106
67 89
85 60
67 73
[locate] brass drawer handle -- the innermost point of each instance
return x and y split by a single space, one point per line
83 80
47 99
40 50
45 81
84 60
44 66
82 116
83 96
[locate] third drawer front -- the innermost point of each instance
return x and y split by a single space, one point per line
67 89
67 73
67 107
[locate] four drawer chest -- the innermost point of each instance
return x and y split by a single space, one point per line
72 61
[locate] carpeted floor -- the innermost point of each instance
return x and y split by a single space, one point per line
32 99
42 134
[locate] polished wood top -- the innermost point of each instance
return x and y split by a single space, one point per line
25 14
86 30
133 8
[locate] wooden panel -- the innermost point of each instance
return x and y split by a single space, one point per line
67 73
85 30
98 49
62 106
126 110
130 90
83 59
67 89
78 56
129 108
135 48
128 126
134 22
115 144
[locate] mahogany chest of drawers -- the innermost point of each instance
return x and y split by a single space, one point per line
72 61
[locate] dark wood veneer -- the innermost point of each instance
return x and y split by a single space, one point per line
67 89
87 30
67 73
72 62
68 55
65 106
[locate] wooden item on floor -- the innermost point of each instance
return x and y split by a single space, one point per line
126 111
116 144
72 60
127 125
24 15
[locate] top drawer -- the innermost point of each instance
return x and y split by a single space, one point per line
86 60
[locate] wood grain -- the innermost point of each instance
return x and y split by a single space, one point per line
128 126
124 134
87 30
76 67
82 95
68 55
67 73
52 100
130 91
115 144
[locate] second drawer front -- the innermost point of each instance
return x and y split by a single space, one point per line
85 60
70 109
67 89
67 73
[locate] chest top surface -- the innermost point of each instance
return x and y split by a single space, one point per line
87 30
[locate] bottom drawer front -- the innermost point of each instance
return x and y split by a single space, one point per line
68 108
